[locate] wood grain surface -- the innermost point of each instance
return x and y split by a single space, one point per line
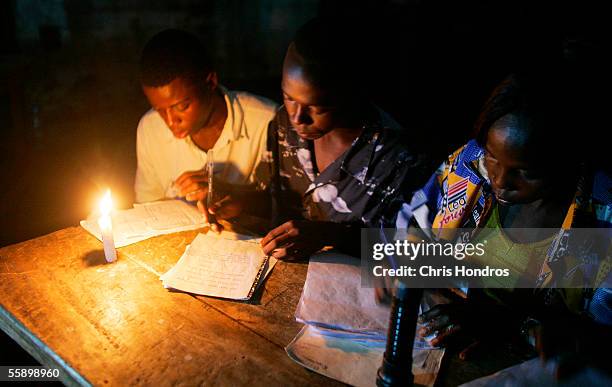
115 324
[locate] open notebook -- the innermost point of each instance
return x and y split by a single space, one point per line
147 220
214 265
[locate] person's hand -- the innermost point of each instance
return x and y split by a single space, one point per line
297 239
226 208
469 326
192 185
209 218
445 321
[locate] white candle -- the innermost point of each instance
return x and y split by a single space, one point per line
106 228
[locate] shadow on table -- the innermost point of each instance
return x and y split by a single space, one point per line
95 258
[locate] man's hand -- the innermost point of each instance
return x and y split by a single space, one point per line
299 238
226 208
192 185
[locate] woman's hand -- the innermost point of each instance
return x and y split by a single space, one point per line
468 325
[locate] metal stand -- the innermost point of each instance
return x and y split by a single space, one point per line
396 368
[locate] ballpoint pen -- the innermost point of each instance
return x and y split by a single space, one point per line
210 194
210 171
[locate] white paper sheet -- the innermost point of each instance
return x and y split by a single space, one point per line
216 266
333 297
346 329
147 220
353 361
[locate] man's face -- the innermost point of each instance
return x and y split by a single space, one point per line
186 108
515 167
312 111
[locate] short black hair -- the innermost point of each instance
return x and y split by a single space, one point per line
542 101
331 52
171 54
547 106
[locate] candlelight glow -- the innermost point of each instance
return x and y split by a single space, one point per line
106 204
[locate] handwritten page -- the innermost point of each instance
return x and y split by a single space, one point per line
147 220
219 267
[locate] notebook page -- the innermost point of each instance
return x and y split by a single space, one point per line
217 267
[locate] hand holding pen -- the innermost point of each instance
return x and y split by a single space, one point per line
197 186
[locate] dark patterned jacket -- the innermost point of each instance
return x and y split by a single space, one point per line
364 186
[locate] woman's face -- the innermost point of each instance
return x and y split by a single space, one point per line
516 167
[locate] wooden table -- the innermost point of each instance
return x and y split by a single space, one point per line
115 324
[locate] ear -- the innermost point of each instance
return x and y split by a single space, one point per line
212 81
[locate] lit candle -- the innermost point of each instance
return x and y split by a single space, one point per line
106 227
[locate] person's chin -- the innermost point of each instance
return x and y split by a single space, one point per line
180 134
308 135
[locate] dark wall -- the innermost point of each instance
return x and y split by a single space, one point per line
70 100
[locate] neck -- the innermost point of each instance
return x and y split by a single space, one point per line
339 137
207 136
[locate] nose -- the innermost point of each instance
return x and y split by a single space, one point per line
171 118
501 179
300 115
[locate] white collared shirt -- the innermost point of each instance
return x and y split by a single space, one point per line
162 158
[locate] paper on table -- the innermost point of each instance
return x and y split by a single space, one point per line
216 266
347 330
147 220
334 298
355 362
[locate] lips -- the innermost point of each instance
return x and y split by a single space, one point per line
307 134
502 199
180 134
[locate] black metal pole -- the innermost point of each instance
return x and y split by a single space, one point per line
396 368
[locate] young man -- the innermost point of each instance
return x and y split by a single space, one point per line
192 114
339 160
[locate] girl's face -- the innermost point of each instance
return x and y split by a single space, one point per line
517 169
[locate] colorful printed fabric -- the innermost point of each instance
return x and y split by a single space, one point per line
459 196
363 186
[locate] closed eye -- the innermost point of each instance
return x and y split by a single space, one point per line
182 106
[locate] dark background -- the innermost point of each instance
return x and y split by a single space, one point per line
70 100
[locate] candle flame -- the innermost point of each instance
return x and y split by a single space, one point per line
106 204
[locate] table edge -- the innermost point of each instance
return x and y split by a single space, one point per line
39 350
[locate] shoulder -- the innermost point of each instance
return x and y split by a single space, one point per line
387 122
281 125
252 104
391 138
151 124
469 152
